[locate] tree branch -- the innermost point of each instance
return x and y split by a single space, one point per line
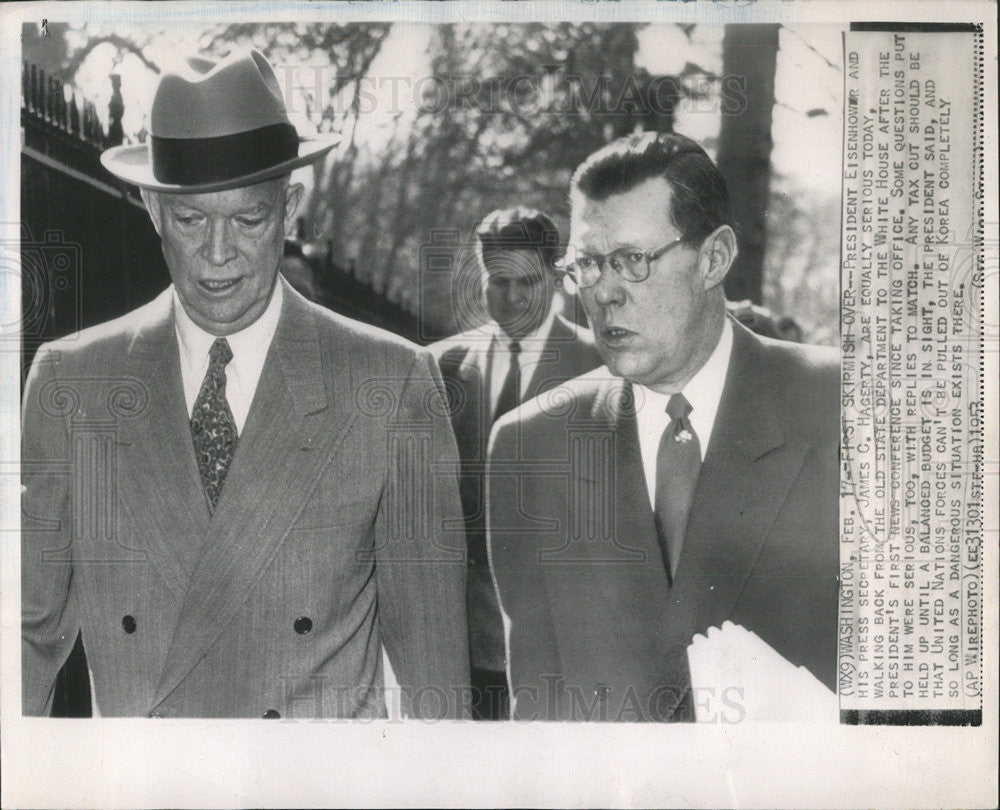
74 62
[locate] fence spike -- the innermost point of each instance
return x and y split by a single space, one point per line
74 116
55 98
61 99
50 99
43 94
33 96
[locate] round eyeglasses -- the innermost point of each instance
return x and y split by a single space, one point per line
631 263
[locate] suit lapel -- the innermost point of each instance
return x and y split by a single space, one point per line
634 532
621 577
660 623
158 475
473 422
286 443
555 362
750 465
749 468
605 469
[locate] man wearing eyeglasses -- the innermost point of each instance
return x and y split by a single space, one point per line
690 484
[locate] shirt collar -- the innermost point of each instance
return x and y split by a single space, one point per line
703 391
250 342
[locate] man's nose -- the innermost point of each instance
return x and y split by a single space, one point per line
516 293
221 248
610 287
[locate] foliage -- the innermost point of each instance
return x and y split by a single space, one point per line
348 51
802 264
496 126
502 115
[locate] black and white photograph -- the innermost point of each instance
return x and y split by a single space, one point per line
513 404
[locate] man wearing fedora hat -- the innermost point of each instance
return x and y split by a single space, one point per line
237 497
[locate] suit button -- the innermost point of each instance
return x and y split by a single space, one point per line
601 691
272 714
156 716
128 624
303 625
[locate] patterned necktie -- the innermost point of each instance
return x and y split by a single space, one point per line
510 392
212 425
678 462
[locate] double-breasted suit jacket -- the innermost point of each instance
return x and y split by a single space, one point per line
596 631
464 359
327 542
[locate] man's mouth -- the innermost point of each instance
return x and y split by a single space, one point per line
616 335
217 287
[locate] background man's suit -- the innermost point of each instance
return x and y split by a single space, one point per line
464 360
595 628
276 604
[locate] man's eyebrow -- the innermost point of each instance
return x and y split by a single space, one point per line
613 245
178 205
261 205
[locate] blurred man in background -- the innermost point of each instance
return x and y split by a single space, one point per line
524 350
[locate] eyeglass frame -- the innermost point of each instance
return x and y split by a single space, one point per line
566 269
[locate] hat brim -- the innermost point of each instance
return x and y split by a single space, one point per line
132 164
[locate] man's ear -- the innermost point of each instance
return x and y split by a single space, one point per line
718 252
152 203
293 196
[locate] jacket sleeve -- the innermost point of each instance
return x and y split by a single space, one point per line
420 562
512 543
49 618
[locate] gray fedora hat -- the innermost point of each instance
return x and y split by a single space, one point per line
216 126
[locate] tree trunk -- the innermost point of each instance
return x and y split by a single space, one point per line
750 54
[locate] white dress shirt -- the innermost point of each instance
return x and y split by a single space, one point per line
532 347
249 347
703 391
